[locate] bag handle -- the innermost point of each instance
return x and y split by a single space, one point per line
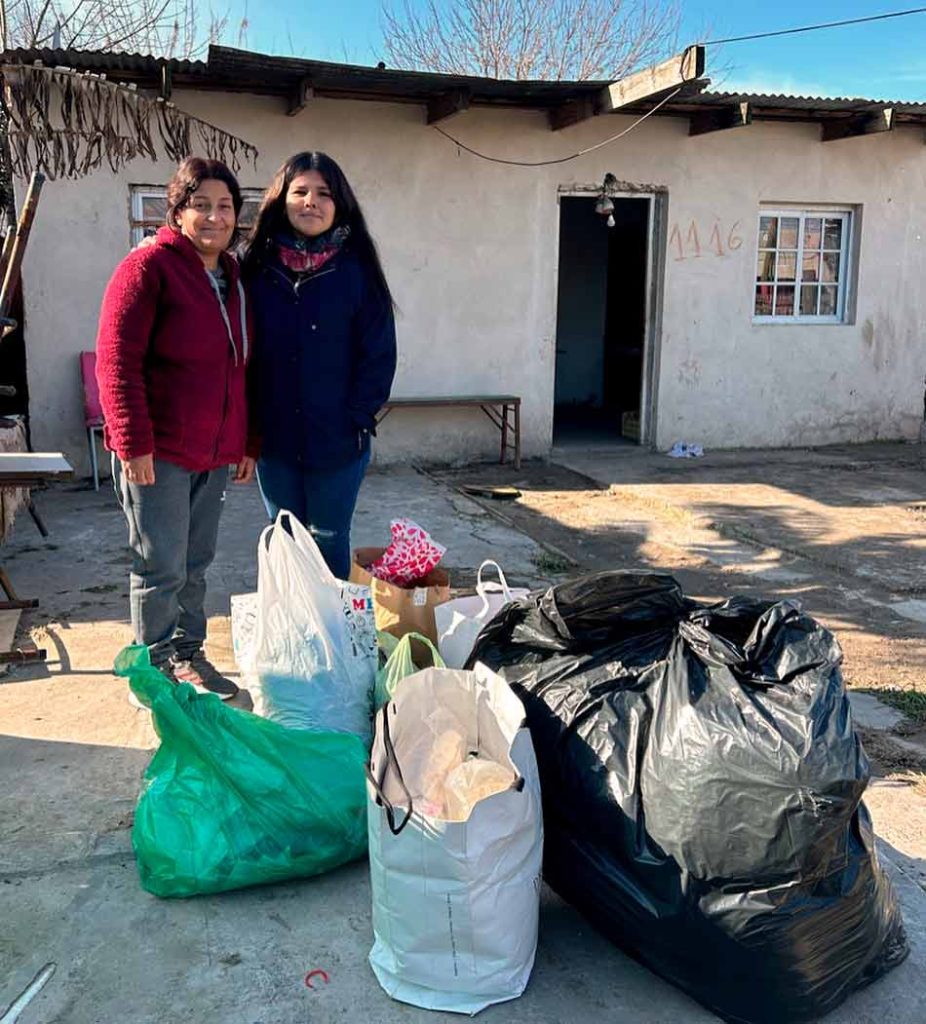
387 643
393 763
271 546
436 660
481 588
305 542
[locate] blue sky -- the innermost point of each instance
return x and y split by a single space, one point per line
885 60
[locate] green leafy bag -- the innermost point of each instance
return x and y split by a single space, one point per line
399 663
231 800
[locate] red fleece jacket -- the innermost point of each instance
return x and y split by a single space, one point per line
171 367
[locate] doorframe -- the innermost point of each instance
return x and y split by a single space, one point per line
656 236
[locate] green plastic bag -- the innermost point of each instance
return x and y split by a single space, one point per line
231 800
399 663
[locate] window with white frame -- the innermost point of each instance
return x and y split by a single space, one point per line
149 209
802 271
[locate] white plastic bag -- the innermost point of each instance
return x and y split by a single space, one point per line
356 601
314 648
460 621
456 839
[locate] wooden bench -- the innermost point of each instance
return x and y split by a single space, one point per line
503 410
27 470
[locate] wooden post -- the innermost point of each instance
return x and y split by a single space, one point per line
18 248
7 249
504 433
167 82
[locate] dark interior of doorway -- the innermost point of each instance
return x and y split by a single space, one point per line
601 321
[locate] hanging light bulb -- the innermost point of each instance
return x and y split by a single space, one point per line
604 206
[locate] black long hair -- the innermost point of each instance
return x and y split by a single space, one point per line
271 217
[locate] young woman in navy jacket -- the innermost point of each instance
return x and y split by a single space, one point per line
325 351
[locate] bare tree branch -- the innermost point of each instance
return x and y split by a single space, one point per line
520 39
161 28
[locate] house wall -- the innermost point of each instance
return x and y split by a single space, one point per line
470 249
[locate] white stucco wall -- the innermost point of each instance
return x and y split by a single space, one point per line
470 249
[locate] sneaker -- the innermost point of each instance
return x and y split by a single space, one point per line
202 675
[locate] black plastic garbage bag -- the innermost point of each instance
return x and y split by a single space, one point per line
702 786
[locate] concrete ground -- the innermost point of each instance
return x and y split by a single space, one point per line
830 527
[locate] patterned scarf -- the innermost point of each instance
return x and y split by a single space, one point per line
304 255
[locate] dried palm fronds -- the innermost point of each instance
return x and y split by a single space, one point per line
66 124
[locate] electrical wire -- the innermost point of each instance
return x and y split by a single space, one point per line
672 95
562 159
815 28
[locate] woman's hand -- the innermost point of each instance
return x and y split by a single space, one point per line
139 470
244 471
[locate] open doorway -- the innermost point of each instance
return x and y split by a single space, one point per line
601 321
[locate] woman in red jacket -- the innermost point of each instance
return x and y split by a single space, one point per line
171 355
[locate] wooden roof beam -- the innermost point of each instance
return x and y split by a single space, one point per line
736 116
655 81
649 83
447 104
863 124
300 96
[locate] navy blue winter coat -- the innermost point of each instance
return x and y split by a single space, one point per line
324 359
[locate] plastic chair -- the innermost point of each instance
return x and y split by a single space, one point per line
93 411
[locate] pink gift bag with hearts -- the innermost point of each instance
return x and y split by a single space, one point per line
410 557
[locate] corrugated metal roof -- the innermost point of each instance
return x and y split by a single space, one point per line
330 79
231 69
102 60
842 104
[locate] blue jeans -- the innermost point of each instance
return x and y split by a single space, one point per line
323 500
173 529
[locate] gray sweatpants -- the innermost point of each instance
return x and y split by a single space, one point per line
173 528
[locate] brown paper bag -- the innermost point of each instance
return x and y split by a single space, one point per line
399 610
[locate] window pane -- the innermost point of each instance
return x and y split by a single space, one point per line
768 232
154 208
811 271
766 268
831 266
248 212
784 300
787 236
764 300
787 266
809 300
813 228
832 234
828 300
